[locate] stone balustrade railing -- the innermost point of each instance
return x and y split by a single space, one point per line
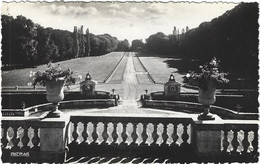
32 140
239 140
129 135
180 138
227 140
168 137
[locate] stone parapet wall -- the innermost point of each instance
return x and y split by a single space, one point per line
189 107
24 99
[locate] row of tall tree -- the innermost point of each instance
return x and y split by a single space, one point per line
26 44
232 38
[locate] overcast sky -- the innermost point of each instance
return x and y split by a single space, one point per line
122 20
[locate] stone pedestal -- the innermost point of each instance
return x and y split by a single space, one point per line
206 115
208 138
52 138
88 86
54 111
172 88
209 142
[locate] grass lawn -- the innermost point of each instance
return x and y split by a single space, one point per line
117 76
143 79
99 67
138 66
159 69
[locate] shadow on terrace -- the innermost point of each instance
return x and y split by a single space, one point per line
91 128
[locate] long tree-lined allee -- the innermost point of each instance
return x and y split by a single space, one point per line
232 38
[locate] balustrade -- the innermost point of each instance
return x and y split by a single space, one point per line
240 140
133 133
20 135
20 139
27 140
134 136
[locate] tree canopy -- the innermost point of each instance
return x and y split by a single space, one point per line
137 45
123 46
26 43
231 38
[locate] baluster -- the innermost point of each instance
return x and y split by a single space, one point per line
15 140
255 141
164 134
25 138
4 139
235 142
134 134
104 133
114 133
35 139
144 134
185 135
74 133
84 133
169 132
245 142
175 136
94 134
225 141
155 136
123 134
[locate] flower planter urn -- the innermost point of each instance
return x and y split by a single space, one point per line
207 97
55 95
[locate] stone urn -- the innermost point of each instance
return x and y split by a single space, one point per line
207 97
55 95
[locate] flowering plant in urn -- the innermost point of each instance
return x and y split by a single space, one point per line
54 73
209 74
206 81
54 78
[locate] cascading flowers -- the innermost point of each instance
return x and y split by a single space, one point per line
54 73
209 73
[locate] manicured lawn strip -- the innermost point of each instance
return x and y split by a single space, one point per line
159 70
143 79
112 72
99 67
138 66
117 77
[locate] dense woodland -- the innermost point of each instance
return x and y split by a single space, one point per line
25 43
232 38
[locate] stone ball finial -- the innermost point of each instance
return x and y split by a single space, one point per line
88 76
172 78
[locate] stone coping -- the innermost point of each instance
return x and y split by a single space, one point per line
36 121
217 124
193 117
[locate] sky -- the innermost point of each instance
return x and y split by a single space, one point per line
127 20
